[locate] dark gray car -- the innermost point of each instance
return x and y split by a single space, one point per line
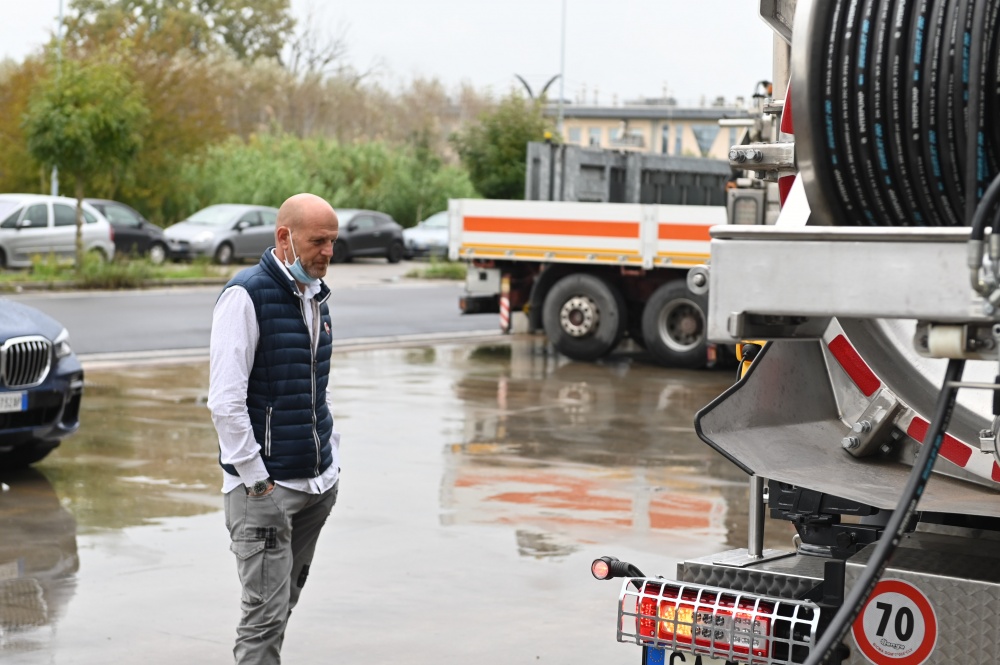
368 233
134 234
223 233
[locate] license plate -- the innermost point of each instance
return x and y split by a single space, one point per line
10 402
663 657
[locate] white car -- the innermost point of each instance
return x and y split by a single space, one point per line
429 237
39 225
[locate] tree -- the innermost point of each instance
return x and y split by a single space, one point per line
247 30
18 172
85 118
494 150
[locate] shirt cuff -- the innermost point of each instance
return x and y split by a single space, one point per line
252 470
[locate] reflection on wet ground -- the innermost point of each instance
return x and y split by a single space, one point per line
478 484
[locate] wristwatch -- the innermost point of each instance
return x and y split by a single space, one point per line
259 487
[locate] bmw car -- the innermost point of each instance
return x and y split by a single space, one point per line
41 383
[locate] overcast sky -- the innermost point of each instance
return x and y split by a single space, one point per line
618 49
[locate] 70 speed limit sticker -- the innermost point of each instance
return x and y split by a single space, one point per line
897 626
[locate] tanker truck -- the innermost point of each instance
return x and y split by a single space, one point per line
868 415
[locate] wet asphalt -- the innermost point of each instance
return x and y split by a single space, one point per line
479 481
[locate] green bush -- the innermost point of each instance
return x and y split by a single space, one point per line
440 269
405 182
96 273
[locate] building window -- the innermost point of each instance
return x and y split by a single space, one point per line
595 137
679 141
732 136
574 135
665 140
705 136
627 138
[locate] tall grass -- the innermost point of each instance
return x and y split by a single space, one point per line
440 269
96 273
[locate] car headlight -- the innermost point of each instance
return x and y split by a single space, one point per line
202 238
61 345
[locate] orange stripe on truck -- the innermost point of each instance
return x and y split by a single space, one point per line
555 227
684 232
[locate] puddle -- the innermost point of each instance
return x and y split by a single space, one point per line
478 484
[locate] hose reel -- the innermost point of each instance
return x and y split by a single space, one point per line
897 106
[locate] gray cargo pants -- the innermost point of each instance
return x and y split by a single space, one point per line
273 538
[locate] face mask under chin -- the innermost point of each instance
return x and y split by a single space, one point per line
295 269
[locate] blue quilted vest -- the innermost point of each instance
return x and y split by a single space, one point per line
286 394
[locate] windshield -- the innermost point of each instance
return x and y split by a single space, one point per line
6 207
218 215
438 220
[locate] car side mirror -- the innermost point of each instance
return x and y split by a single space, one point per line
352 227
242 224
23 224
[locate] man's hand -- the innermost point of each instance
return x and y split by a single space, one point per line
261 488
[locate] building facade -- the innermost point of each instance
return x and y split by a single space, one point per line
664 129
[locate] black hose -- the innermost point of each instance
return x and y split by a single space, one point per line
986 210
899 522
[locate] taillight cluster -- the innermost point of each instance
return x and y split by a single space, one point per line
702 618
717 622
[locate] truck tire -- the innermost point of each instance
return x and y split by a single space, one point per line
584 316
674 325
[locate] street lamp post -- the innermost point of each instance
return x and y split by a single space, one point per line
562 72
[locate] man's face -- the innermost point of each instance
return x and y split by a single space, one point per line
313 243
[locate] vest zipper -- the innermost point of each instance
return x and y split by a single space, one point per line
313 341
267 432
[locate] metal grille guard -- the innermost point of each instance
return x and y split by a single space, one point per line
716 622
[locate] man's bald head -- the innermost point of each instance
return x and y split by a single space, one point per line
306 229
301 207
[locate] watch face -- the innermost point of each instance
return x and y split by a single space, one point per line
260 487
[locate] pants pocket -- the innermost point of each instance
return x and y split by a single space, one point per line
252 569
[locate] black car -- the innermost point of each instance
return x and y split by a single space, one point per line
368 233
41 383
134 234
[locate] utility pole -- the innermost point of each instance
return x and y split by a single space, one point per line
562 73
59 38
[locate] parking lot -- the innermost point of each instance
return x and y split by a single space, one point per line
479 481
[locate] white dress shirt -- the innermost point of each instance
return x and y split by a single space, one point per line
235 334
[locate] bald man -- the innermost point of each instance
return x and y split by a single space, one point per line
270 402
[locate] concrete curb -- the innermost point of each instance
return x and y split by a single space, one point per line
21 287
181 356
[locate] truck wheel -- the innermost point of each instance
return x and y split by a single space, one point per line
584 316
674 326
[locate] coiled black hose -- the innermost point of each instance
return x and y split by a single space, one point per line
904 128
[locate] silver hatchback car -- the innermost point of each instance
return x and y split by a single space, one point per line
225 232
40 225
